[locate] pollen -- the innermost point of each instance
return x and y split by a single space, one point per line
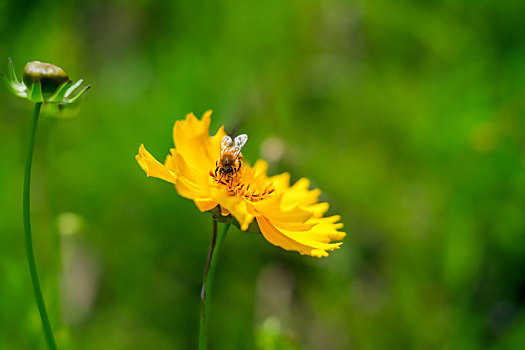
245 184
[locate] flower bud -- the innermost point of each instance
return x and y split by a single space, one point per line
49 76
44 83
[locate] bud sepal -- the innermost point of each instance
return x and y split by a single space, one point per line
44 83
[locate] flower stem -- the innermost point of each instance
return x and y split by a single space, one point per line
207 283
29 240
53 299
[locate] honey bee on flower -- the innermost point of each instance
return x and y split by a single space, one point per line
230 161
212 173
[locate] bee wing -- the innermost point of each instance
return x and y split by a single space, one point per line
240 141
225 143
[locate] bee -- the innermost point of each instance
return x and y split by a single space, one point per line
230 161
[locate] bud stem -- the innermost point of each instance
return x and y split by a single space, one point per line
207 282
29 240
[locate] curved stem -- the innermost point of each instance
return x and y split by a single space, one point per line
29 240
207 283
53 297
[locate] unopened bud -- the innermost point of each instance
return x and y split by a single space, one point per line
49 76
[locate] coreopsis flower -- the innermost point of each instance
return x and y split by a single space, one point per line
44 83
288 216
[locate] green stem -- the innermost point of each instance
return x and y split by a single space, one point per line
56 251
29 240
207 282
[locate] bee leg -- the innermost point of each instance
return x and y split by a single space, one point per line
235 170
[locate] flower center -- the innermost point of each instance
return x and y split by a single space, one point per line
248 186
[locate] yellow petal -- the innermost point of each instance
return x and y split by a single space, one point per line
177 162
193 142
205 204
152 167
281 181
260 168
236 206
317 236
272 209
299 194
190 189
318 209
305 246
325 229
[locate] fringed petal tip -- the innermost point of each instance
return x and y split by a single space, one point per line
320 253
305 242
152 167
337 236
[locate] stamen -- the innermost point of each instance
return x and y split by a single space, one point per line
256 190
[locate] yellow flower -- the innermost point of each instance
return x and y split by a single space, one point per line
288 216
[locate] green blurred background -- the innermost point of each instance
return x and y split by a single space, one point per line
408 115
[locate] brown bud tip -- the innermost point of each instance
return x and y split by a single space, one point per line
49 75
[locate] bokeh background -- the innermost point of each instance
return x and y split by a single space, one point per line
409 116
